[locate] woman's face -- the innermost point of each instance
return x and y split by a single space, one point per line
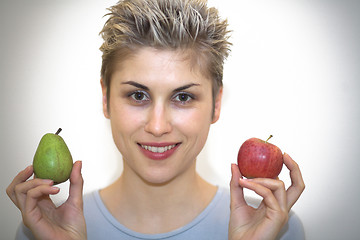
160 109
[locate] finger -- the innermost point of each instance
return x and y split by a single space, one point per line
236 191
297 182
277 187
76 185
32 198
19 178
22 189
268 197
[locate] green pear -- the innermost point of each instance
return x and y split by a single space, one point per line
52 158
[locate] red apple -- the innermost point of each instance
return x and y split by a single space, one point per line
259 159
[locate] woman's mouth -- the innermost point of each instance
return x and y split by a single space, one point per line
158 151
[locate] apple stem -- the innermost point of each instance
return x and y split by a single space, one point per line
58 131
269 138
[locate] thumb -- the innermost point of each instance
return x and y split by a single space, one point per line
76 185
236 191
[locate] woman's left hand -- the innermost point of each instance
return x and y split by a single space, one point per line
266 221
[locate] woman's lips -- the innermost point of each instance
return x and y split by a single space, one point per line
158 151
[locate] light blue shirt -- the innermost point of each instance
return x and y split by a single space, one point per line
211 224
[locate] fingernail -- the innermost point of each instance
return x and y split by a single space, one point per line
47 181
55 188
27 168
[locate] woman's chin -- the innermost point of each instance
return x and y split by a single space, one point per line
158 179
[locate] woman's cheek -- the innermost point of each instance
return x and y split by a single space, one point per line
191 120
126 118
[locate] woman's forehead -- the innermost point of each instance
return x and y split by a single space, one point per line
161 61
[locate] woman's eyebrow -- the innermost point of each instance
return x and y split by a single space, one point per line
185 87
141 86
135 84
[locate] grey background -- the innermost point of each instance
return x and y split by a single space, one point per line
293 73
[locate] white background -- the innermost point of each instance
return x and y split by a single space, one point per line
293 73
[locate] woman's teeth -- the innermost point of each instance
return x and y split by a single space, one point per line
158 149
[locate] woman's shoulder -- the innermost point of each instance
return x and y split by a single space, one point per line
90 196
293 229
92 204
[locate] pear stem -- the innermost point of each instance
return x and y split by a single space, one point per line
58 131
268 138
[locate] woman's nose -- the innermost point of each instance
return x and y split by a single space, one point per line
158 121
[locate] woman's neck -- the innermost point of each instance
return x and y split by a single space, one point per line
157 208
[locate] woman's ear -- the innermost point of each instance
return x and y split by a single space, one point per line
217 106
104 98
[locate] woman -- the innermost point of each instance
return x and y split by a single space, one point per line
161 80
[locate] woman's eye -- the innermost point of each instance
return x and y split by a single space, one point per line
183 97
139 96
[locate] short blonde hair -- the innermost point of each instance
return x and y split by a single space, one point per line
166 24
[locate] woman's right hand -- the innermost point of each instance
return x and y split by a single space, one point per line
39 213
